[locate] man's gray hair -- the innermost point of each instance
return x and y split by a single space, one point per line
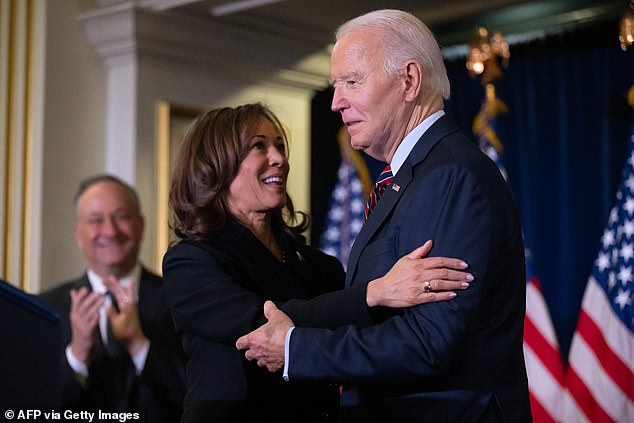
404 37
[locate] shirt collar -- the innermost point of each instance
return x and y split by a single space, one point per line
131 278
410 140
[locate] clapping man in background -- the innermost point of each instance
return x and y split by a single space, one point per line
121 352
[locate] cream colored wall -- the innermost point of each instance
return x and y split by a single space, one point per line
73 133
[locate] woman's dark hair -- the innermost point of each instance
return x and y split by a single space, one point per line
208 160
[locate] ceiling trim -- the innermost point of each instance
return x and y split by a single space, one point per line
121 32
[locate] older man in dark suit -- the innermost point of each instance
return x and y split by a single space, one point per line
455 361
121 352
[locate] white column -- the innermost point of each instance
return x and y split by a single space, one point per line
121 119
112 31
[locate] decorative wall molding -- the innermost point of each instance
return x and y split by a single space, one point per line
122 30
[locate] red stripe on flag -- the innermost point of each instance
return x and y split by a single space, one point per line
618 371
547 354
535 281
584 398
540 414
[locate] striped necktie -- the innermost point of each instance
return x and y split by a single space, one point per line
379 188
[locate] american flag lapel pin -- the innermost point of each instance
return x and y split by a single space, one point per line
396 187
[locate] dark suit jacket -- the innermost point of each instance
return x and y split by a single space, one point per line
457 361
112 384
216 291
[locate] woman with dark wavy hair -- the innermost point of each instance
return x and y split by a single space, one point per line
242 244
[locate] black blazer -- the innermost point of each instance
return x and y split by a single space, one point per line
454 361
216 291
112 384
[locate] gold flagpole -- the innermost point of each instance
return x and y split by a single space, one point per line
487 55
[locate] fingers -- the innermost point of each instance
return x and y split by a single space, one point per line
84 317
433 297
85 303
277 319
247 343
243 343
435 262
264 361
126 324
123 294
118 297
446 275
444 262
444 285
421 251
253 341
265 345
269 309
248 340
250 355
445 280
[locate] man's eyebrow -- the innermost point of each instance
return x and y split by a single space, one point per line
350 75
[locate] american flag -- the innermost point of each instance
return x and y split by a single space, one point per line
600 375
544 366
345 211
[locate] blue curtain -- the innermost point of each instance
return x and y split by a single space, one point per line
564 148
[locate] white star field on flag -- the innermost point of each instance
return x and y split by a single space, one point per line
345 214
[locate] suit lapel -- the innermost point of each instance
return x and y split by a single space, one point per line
83 281
441 128
386 203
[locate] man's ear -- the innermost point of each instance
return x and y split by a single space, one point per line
413 77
